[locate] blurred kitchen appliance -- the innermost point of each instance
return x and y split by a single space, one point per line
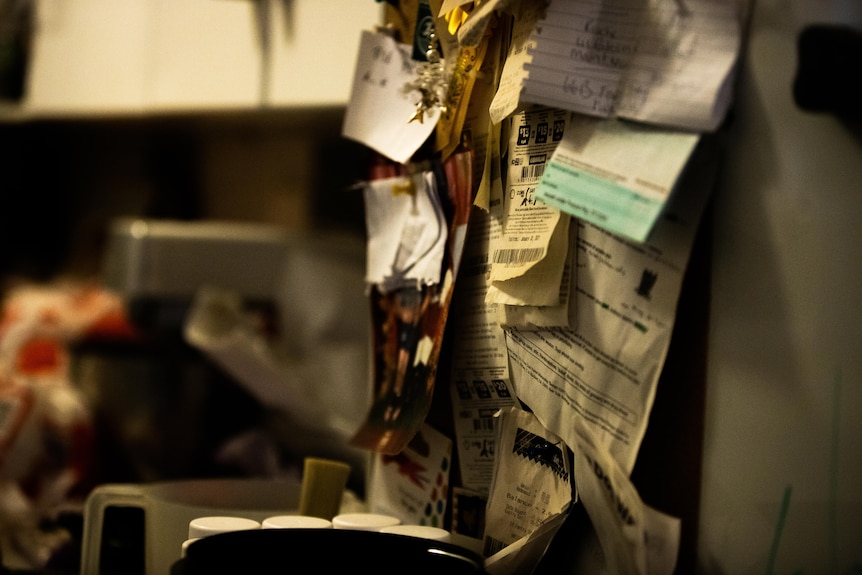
306 361
164 262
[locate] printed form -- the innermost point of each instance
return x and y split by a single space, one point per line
616 174
600 376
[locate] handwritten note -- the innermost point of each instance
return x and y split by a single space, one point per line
379 111
656 61
508 96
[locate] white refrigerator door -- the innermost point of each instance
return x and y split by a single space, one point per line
782 466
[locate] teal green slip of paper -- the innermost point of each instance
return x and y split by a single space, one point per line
606 204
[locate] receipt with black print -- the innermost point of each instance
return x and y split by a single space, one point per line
530 252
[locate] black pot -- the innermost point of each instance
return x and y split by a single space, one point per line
290 551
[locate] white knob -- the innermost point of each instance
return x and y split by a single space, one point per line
205 526
296 522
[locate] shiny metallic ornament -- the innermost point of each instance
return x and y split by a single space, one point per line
431 82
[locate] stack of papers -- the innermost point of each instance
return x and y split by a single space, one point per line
642 80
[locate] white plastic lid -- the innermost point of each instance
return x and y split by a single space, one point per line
205 526
296 522
364 521
186 544
423 531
